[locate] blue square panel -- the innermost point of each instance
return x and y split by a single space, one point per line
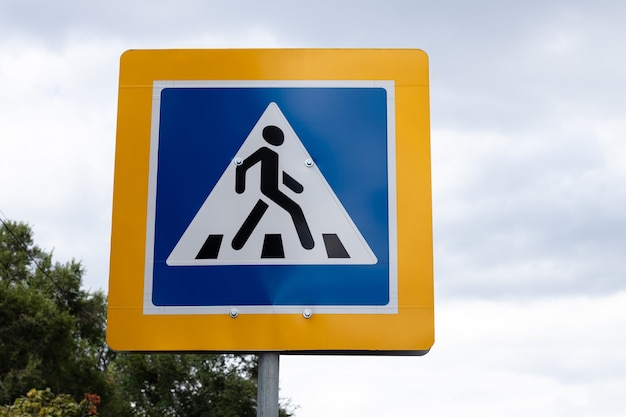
327 186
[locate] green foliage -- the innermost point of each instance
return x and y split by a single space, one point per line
46 404
52 332
188 385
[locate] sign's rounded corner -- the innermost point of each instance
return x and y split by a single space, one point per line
126 54
423 53
112 343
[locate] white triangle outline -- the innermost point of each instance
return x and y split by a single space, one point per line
224 211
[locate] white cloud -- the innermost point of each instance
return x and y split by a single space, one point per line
530 213
554 357
57 121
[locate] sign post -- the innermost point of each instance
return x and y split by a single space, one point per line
267 397
272 201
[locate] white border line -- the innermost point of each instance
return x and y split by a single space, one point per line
391 308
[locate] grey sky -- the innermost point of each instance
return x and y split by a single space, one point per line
529 177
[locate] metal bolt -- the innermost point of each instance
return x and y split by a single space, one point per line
308 162
238 161
307 314
233 313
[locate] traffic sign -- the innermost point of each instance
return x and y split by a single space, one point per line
272 200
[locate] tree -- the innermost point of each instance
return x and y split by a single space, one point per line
193 385
51 331
188 384
45 404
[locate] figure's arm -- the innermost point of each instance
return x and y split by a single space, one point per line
240 171
240 178
292 183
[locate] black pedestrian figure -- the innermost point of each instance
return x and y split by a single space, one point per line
269 187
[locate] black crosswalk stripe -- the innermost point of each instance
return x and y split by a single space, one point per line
211 247
273 247
334 247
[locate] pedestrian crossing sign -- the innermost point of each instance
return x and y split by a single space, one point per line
272 200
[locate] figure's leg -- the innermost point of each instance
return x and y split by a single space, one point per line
299 221
302 228
249 224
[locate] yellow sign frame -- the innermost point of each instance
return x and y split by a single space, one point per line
410 331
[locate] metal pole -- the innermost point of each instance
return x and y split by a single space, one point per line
267 393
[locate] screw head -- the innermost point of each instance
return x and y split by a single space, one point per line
233 313
308 162
307 313
238 161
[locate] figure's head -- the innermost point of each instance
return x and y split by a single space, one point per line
273 135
